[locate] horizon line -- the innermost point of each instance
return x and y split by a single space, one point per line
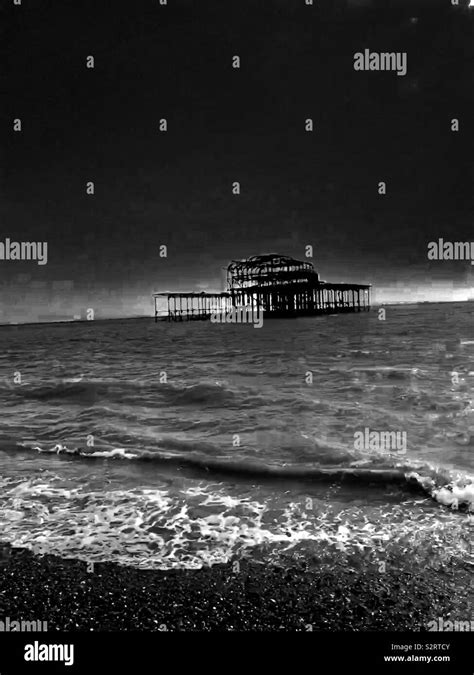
151 316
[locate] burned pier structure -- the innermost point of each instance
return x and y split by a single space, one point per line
283 286
278 286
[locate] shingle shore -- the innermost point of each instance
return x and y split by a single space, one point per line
258 597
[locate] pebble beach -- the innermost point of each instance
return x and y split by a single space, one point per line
259 597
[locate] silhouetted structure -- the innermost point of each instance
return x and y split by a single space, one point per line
192 306
278 286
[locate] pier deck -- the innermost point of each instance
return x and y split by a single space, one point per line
191 306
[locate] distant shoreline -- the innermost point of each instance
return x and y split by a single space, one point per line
151 317
69 321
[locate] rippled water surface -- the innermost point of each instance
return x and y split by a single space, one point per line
177 445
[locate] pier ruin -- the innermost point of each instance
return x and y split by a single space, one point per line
277 286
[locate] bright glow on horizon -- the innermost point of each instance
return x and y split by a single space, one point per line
432 293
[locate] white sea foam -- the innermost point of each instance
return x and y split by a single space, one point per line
150 528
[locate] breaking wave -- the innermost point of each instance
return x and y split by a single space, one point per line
450 488
206 525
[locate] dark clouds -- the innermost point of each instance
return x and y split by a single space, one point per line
227 125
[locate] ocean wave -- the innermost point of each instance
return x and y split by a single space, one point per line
389 372
65 390
450 488
205 392
88 391
205 525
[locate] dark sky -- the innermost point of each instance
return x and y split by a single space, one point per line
225 125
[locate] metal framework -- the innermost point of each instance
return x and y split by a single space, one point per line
282 286
278 286
191 306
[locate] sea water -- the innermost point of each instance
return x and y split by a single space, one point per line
183 445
